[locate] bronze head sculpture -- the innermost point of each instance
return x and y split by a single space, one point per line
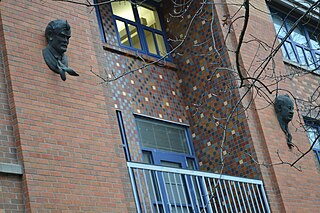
58 33
284 109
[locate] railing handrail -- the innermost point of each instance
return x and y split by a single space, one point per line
192 172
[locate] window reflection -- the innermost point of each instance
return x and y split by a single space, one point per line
123 9
314 40
161 45
149 17
279 25
134 36
298 35
150 41
290 51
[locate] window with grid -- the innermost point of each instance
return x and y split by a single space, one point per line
303 44
138 27
313 131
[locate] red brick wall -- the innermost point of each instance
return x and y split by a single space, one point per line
69 143
11 194
287 189
11 197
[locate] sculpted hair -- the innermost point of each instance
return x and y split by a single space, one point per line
55 27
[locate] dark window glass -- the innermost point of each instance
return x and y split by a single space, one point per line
313 131
163 136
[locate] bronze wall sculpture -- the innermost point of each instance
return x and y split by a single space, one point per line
58 33
284 109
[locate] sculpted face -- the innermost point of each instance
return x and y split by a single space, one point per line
284 108
60 41
287 111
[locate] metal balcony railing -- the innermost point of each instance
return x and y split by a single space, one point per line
171 190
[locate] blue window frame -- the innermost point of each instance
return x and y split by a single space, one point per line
303 44
160 140
139 27
168 144
313 131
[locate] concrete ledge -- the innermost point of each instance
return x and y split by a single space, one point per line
11 168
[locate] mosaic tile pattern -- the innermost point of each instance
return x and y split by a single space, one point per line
185 96
153 91
209 102
107 23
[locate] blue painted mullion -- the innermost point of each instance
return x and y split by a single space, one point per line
311 47
102 33
289 39
142 38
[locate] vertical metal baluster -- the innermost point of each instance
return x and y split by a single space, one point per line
207 195
200 193
216 187
134 189
265 201
184 192
233 200
251 199
189 191
161 195
235 188
254 208
197 202
212 197
146 183
154 191
175 179
261 201
229 201
142 192
172 192
223 196
245 192
255 198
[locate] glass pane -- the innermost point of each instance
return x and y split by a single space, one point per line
134 36
190 164
301 56
312 134
162 139
163 136
149 17
298 35
161 45
279 25
150 42
290 51
146 134
147 157
314 40
123 9
318 59
124 39
284 51
310 59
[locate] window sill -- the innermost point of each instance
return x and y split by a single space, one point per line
140 56
10 168
296 65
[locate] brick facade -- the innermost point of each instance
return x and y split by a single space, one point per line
66 135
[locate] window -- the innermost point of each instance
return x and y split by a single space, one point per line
139 28
168 144
313 131
303 44
164 142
